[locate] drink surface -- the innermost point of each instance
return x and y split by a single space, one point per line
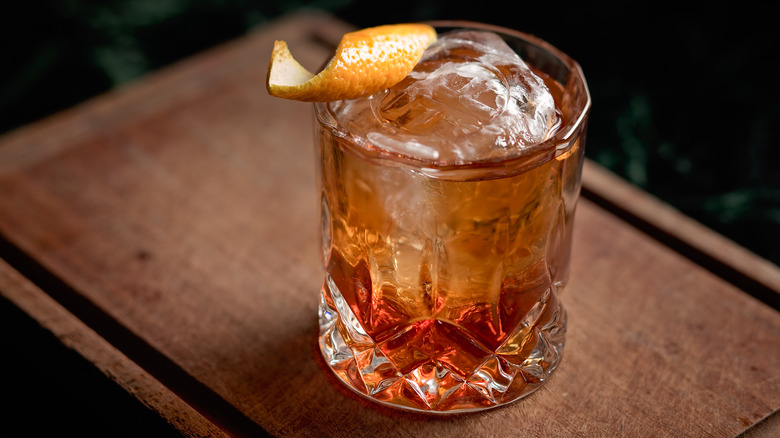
470 98
441 295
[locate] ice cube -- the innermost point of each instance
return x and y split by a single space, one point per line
453 99
470 98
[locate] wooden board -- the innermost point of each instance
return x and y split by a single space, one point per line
171 225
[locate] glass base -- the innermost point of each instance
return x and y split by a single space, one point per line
432 384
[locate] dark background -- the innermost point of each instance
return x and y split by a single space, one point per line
684 106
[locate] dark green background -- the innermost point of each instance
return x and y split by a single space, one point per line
684 94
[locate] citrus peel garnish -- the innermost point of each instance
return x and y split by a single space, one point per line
366 61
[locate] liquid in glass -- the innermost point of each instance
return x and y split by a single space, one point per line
447 224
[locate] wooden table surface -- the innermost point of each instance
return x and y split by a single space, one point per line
166 233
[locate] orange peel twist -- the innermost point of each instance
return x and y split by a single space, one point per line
365 62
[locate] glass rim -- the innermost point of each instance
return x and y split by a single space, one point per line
520 161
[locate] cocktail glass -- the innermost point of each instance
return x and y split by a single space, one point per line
442 280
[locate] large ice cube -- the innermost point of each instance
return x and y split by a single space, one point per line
470 98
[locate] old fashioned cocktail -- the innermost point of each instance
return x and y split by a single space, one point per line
447 205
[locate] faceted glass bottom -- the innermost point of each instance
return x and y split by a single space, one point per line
434 385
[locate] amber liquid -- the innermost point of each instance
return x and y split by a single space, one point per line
441 289
446 292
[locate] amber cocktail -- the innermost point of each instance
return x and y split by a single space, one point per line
447 205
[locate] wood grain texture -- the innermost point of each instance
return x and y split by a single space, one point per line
116 367
721 255
183 209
